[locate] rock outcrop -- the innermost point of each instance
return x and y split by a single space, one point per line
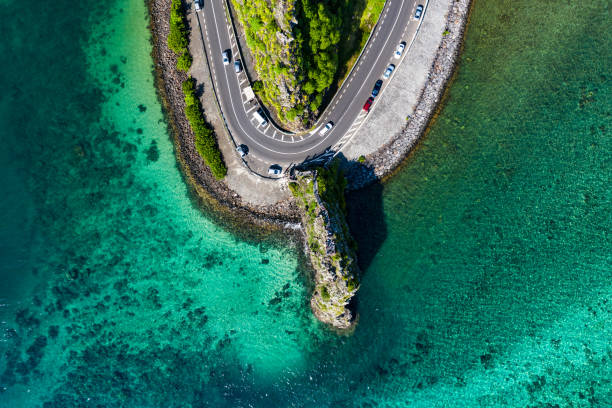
330 246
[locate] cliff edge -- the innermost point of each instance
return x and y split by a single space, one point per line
330 246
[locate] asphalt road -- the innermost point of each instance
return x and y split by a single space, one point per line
272 145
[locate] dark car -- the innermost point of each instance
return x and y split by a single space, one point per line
242 150
237 66
376 89
418 12
368 104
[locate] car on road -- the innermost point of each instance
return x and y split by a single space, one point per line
226 57
275 170
258 115
368 104
327 128
198 5
376 89
237 66
242 150
388 71
399 50
419 12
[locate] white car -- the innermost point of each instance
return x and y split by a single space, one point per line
225 58
326 129
419 12
198 5
388 71
275 170
399 50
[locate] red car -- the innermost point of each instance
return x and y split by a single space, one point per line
368 104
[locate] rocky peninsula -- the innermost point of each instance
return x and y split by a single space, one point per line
332 250
311 201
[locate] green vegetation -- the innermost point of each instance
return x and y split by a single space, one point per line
178 37
184 62
301 47
332 184
361 159
257 86
324 294
356 35
205 142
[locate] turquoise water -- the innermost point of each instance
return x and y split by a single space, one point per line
487 263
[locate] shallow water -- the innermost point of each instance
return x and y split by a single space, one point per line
487 259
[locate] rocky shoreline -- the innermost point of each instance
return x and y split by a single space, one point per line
389 158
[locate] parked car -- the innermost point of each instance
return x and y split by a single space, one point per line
368 104
377 87
259 117
198 5
327 128
418 12
388 71
399 50
242 150
275 170
237 66
226 58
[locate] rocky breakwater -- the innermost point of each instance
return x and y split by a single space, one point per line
330 246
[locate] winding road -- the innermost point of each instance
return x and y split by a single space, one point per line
270 144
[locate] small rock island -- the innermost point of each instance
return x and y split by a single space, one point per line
329 244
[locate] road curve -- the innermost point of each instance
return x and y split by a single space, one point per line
271 145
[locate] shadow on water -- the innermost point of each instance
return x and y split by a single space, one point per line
366 221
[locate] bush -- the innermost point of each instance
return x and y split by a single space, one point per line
184 61
324 294
352 284
205 142
295 189
257 86
178 36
